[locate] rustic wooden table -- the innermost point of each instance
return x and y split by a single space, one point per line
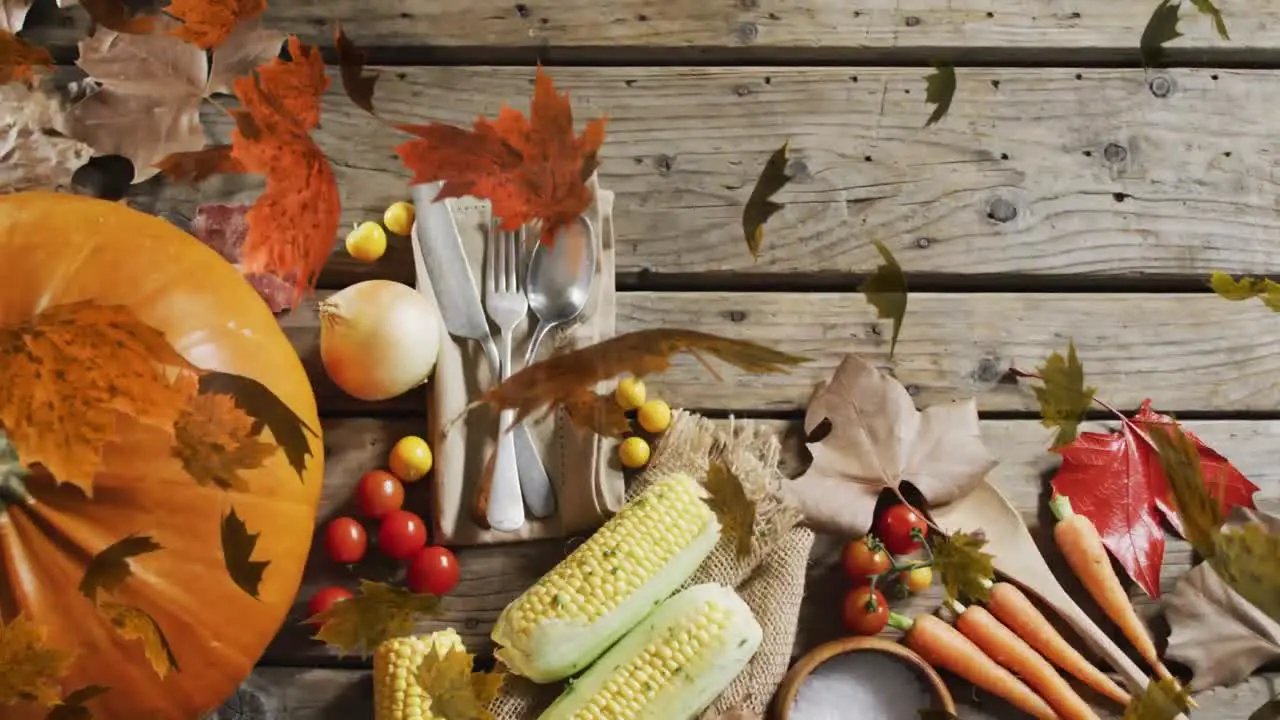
1067 194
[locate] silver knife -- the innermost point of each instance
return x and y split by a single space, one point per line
458 298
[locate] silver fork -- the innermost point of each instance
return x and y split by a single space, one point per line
506 305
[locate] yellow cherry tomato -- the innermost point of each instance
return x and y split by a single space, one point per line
410 458
917 579
399 218
630 393
367 241
633 452
654 416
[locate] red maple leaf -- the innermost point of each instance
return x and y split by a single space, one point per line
1116 480
528 168
293 224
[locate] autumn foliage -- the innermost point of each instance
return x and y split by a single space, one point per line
208 23
18 58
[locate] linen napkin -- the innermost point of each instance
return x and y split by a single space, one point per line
584 472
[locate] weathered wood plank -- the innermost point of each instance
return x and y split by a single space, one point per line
1078 174
1188 352
278 693
493 576
807 25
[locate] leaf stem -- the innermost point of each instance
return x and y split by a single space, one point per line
900 622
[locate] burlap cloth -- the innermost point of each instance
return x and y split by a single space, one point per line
770 579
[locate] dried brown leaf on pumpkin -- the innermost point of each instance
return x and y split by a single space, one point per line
208 24
238 545
134 623
879 440
597 412
378 612
288 430
32 669
216 440
531 168
110 567
19 58
70 371
760 206
736 510
562 378
456 692
35 141
73 705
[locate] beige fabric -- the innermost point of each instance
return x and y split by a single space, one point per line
588 487
771 579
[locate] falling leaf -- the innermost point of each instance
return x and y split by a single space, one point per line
1246 559
194 166
1161 700
32 669
18 58
1208 8
528 168
134 623
13 15
1063 396
1160 29
886 291
34 141
736 511
238 545
1247 288
216 440
72 707
878 440
70 371
563 376
357 85
1117 481
208 24
456 692
249 46
118 16
377 613
760 206
965 570
110 567
267 410
940 90
293 223
597 412
1216 633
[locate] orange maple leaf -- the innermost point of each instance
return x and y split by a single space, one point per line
215 440
18 58
531 168
119 15
197 165
293 224
208 23
70 371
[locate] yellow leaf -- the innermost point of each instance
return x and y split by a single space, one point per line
1201 515
134 623
110 567
377 613
1247 560
736 511
1247 288
760 207
31 669
216 440
886 291
1063 396
964 568
1162 700
70 371
456 692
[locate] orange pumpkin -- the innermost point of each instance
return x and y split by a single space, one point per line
171 626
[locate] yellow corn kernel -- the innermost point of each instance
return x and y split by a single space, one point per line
397 694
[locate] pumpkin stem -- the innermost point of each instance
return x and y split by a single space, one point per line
12 473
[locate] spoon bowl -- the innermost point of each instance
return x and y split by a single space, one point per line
558 281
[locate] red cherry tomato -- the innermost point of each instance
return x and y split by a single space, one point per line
345 540
859 618
325 599
434 570
861 560
402 534
378 493
894 529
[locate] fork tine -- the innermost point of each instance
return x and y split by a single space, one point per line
513 260
491 245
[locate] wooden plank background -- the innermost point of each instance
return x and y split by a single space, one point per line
1068 194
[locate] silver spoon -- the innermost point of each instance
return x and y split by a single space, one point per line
558 285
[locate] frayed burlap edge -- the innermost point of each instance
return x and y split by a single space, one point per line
770 579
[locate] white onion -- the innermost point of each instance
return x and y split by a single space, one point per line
379 338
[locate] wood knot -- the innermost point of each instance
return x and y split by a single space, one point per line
923 243
913 390
798 170
736 316
245 704
1161 86
746 33
989 370
522 10
471 623
742 91
1115 153
912 21
748 4
664 164
1001 211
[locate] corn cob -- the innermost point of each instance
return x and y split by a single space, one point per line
608 583
397 694
672 665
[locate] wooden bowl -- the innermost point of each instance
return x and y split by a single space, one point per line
799 672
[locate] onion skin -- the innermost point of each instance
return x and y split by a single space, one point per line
379 339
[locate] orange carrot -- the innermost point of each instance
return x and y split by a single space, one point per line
1014 609
943 646
1011 651
1082 546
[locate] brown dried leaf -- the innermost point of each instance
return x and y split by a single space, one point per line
878 440
1218 634
562 378
35 150
216 440
110 567
736 510
134 623
597 412
358 85
249 46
